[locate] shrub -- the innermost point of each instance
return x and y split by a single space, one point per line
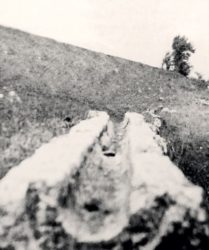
178 59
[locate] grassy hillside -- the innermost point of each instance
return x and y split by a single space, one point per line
42 82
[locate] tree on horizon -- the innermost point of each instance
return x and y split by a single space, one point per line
178 59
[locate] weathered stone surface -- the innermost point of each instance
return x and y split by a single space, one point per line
165 204
105 185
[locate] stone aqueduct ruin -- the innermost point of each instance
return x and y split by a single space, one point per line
105 185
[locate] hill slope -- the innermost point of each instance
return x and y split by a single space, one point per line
42 82
39 66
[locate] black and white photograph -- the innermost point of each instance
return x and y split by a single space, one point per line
104 125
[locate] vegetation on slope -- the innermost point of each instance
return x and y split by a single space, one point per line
178 59
42 82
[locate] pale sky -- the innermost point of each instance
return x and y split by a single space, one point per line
140 30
